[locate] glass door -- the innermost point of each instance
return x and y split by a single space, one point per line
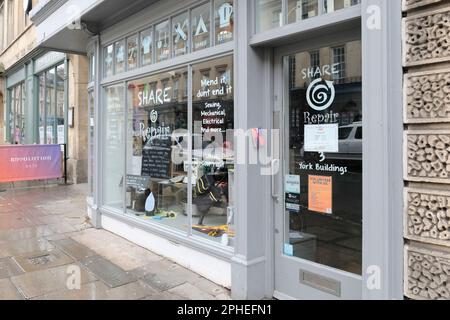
319 220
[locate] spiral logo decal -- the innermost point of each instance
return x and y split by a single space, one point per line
320 94
154 116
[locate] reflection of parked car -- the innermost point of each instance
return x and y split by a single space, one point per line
350 143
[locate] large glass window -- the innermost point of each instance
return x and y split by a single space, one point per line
212 150
17 114
157 127
323 221
52 106
156 183
113 147
91 102
275 13
60 105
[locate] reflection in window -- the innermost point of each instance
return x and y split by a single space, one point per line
212 153
201 27
180 34
60 105
113 146
109 60
17 114
326 213
268 14
339 61
146 47
50 128
224 20
333 5
132 49
120 57
162 34
302 9
156 177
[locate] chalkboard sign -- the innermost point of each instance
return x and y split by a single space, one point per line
137 182
156 160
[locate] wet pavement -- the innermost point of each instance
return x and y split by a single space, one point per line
49 251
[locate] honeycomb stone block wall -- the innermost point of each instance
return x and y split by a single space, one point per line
427 97
428 273
426 109
427 216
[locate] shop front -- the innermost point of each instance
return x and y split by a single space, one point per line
227 135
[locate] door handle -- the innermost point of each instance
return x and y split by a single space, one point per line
275 168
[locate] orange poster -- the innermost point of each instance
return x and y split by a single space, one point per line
320 195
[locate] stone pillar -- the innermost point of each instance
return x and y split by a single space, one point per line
427 148
78 135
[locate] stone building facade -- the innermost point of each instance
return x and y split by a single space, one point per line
426 62
23 66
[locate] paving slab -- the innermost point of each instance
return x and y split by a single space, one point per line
164 275
43 260
39 283
26 233
8 291
74 249
190 292
17 248
9 268
210 287
99 291
163 296
119 251
109 273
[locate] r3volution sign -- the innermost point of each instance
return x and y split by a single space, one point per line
26 163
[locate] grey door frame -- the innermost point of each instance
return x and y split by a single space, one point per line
288 270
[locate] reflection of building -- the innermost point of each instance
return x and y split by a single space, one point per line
39 89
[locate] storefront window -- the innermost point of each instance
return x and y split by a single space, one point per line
91 102
109 60
18 114
302 9
146 47
162 34
50 107
60 105
224 20
268 14
201 27
91 68
113 146
120 57
323 221
212 153
132 50
180 34
333 5
156 177
42 109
